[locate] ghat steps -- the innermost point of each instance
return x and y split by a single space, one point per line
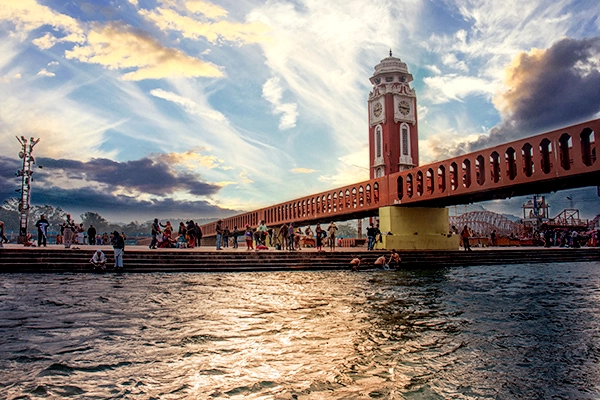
19 260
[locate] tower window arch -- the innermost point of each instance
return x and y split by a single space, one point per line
404 140
405 152
378 144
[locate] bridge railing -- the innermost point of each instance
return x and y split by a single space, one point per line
555 155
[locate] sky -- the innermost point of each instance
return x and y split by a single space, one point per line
198 109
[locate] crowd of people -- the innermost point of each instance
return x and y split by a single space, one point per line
286 236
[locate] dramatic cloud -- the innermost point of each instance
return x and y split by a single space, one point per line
548 89
100 191
118 47
145 175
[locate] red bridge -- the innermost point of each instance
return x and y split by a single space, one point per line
552 161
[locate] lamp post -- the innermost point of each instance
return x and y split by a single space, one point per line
25 174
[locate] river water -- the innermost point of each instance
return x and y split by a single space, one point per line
502 332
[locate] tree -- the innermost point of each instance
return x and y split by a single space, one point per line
346 231
97 220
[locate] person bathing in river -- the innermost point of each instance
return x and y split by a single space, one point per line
355 263
394 261
380 263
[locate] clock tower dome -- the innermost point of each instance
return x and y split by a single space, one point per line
393 138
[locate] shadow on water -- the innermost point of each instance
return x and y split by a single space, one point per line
519 331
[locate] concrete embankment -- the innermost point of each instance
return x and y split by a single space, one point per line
16 259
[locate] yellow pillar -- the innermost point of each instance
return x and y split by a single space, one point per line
415 228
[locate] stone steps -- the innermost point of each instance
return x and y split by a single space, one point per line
77 260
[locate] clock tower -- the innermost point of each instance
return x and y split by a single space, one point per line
393 133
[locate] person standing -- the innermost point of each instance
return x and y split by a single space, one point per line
248 236
1 233
191 234
262 232
119 248
234 234
283 235
226 236
155 232
464 235
68 228
91 232
42 227
198 232
291 235
332 229
371 233
319 239
219 233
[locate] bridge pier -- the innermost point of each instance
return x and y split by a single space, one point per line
415 228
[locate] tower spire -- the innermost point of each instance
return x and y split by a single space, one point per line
390 52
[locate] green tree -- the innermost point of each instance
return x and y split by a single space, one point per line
101 224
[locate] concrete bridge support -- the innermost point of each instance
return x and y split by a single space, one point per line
415 228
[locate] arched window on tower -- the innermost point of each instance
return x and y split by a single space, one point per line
378 147
405 156
405 140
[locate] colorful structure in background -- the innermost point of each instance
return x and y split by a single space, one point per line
26 174
411 199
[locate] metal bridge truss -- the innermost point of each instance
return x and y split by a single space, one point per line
482 223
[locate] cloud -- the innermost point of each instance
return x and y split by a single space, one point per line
119 47
273 93
45 42
192 159
28 15
210 10
302 170
213 31
142 176
443 88
190 106
45 72
547 89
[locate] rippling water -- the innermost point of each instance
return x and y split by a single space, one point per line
508 332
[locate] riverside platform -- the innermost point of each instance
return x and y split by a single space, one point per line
140 259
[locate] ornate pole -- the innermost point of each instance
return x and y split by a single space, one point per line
25 174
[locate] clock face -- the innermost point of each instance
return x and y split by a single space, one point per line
404 107
377 109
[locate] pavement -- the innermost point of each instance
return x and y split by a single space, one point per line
240 249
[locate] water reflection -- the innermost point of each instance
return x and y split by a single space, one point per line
478 332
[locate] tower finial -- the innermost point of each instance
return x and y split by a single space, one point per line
390 52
